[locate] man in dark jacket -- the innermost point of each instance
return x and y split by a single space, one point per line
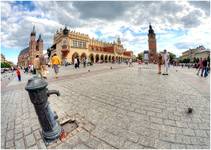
204 70
78 62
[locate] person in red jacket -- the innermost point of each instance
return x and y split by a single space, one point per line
18 74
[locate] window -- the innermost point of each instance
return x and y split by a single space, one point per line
84 44
79 44
75 43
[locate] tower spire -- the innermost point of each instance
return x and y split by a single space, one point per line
33 33
151 31
40 38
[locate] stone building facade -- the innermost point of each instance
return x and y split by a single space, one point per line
202 54
27 55
70 44
152 45
198 52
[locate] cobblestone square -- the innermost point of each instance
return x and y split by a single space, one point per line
127 107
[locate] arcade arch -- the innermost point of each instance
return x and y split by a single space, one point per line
91 58
97 58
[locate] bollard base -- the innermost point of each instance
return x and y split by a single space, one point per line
52 135
50 142
71 125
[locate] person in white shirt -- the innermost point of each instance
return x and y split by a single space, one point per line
166 62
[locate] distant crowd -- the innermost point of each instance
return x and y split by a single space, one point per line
203 66
41 63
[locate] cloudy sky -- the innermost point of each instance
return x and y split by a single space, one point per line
179 25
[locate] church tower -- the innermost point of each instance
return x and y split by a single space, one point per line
32 42
32 46
152 45
35 46
40 44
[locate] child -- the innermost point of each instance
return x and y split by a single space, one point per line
18 74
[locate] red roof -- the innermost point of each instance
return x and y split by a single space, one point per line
109 49
104 49
127 53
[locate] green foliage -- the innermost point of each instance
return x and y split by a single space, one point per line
134 59
171 57
140 56
186 60
5 65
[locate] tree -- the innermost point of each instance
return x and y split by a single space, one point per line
171 57
5 65
186 60
140 56
134 58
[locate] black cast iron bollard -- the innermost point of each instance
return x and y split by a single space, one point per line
39 94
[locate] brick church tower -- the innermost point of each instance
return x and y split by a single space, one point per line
27 55
152 45
35 46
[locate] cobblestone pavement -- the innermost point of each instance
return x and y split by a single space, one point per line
129 107
6 78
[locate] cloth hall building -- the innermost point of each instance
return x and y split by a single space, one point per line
70 44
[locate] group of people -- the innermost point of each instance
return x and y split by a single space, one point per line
77 62
39 66
163 60
203 66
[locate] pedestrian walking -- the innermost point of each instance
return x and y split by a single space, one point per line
18 73
84 62
159 63
43 67
37 67
78 62
200 66
130 62
166 62
204 68
55 60
75 63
